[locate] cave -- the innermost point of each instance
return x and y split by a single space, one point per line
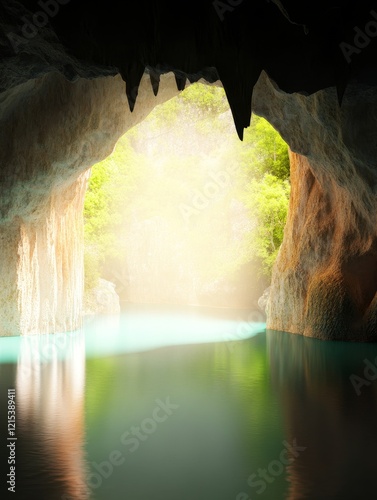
76 76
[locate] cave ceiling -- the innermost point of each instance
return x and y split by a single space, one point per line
302 46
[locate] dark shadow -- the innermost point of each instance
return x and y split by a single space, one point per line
328 393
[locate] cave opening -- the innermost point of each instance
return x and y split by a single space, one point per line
128 409
182 213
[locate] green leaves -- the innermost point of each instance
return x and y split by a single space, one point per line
112 181
183 183
267 200
205 99
265 151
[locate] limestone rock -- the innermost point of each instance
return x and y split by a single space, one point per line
263 300
103 299
53 131
325 279
62 109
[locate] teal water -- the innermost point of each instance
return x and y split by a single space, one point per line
189 406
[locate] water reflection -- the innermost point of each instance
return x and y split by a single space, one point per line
236 407
324 411
226 427
50 384
142 328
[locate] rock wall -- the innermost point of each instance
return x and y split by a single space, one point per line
325 279
49 265
103 299
53 131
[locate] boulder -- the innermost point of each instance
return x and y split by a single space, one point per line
102 299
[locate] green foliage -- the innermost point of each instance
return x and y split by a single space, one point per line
264 151
163 114
166 163
267 200
197 104
111 181
91 270
205 99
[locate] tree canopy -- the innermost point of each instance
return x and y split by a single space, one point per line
182 201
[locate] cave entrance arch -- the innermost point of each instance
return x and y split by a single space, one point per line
182 212
324 282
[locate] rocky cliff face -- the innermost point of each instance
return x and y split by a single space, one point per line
325 279
49 265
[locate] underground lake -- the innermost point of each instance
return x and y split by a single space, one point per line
217 159
188 404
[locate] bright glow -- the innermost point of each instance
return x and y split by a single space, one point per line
146 330
33 352
132 331
169 217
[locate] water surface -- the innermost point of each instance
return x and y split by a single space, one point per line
189 406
